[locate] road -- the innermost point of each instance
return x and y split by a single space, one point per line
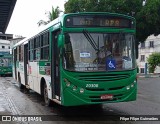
15 102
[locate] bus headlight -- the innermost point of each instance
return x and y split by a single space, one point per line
128 87
74 88
67 82
132 85
81 90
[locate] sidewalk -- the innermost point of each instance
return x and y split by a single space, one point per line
7 105
4 106
148 75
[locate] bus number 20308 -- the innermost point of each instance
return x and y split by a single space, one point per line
92 85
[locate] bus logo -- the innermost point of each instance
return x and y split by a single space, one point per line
6 118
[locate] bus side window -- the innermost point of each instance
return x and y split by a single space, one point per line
31 50
45 46
37 48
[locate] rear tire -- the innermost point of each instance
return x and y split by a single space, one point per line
47 101
21 86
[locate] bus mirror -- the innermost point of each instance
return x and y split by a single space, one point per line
136 47
60 40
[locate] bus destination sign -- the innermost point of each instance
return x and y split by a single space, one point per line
98 21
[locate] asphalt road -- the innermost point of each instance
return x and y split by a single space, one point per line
15 102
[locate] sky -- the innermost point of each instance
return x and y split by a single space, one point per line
27 13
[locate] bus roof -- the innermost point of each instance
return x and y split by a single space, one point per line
46 27
100 13
59 21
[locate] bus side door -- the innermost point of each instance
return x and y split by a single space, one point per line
26 64
55 71
15 63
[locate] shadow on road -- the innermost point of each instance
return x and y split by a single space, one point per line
74 113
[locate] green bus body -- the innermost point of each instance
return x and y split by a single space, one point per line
78 85
5 64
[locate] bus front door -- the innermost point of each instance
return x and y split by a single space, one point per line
26 64
15 63
55 71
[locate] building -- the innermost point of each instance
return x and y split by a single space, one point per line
152 44
5 62
5 43
6 36
15 40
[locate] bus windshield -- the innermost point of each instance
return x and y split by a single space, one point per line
5 62
98 51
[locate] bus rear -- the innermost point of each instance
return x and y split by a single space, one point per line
98 63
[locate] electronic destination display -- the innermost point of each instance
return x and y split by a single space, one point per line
98 21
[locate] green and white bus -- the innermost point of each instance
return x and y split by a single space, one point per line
80 59
5 64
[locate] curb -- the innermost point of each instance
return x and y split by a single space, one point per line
148 76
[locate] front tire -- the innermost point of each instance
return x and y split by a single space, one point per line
47 101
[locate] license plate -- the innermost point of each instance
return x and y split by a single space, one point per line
107 96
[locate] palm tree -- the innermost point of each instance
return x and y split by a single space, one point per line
51 16
54 13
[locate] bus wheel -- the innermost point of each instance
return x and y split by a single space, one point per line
21 86
46 99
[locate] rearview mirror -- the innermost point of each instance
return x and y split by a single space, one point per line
136 47
60 40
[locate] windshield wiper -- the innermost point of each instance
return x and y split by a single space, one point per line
92 42
90 39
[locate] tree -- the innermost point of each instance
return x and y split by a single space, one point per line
147 16
153 61
148 20
51 16
54 13
42 22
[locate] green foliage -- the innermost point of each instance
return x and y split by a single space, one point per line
54 13
153 61
147 16
148 20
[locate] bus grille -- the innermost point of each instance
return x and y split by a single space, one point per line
109 89
103 77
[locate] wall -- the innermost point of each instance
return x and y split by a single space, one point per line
152 44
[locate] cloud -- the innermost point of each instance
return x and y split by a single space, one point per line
27 13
